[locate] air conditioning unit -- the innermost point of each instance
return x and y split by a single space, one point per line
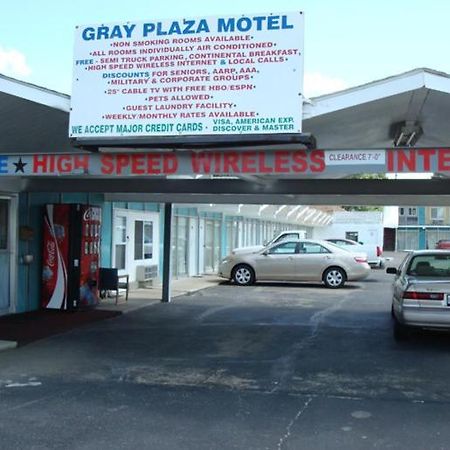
146 274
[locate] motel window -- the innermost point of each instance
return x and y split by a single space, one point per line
437 213
143 240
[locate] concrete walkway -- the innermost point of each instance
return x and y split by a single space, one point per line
139 298
7 345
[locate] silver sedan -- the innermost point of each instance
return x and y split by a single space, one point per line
421 291
296 260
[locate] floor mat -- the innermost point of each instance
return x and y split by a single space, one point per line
31 326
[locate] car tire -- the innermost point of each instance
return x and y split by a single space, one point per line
400 331
334 277
243 275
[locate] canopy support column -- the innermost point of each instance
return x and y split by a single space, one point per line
166 275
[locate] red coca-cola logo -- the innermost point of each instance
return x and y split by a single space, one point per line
51 253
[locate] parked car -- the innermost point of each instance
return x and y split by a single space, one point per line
374 252
291 234
296 260
443 244
421 291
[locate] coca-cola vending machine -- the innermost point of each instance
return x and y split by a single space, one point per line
71 256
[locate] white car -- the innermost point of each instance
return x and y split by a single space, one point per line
374 252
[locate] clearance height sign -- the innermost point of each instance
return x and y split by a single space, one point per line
300 163
203 76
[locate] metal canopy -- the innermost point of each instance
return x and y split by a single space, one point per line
34 120
432 192
363 116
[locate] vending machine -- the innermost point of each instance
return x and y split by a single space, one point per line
70 256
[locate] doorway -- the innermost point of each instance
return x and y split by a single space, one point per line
8 253
136 241
212 245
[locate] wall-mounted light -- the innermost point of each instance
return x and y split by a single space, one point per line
406 133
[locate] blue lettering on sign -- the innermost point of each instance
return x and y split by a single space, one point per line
257 23
189 26
184 27
3 164
105 32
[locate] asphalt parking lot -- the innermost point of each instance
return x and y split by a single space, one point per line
270 366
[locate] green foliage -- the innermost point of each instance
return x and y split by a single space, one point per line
368 176
362 208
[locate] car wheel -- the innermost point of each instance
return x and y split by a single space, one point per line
334 277
243 275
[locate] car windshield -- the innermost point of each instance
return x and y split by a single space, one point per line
436 266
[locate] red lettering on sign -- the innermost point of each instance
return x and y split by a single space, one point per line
281 162
299 158
406 158
170 163
138 164
262 164
201 162
64 164
106 164
317 161
230 161
40 164
390 161
426 154
249 162
81 162
153 163
444 160
122 161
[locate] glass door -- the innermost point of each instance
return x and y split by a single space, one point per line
212 245
209 245
180 246
121 239
136 238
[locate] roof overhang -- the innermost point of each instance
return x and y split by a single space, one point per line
35 121
32 119
363 116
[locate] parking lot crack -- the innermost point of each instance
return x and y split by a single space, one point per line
284 366
318 317
287 434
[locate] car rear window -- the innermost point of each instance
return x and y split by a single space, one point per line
437 266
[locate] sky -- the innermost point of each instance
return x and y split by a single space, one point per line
347 42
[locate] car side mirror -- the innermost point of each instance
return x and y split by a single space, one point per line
265 252
392 270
